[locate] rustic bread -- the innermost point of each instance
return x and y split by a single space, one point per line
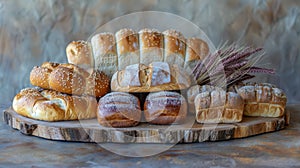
165 108
105 54
49 105
118 109
263 99
70 79
218 106
151 46
128 48
194 91
196 49
156 77
80 54
174 47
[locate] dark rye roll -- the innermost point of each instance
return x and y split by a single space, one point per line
165 108
118 109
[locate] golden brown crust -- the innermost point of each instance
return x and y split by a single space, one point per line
105 53
218 106
80 54
174 47
151 46
165 108
118 109
156 77
196 49
127 47
263 99
70 79
49 105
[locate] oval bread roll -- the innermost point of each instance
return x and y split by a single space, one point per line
118 109
165 108
70 79
49 105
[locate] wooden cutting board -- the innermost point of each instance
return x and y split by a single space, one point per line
91 131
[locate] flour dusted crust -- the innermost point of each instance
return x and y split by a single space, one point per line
50 105
105 53
263 99
151 46
174 47
70 79
128 48
118 109
80 54
157 76
165 108
215 105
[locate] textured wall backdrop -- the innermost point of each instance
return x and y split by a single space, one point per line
34 31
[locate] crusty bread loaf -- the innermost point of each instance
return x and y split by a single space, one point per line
105 54
156 77
128 48
151 46
70 79
196 49
218 106
165 108
80 54
49 105
263 99
118 109
194 91
174 47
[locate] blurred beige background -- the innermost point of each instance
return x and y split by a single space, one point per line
34 31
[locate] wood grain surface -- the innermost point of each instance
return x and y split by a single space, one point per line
189 132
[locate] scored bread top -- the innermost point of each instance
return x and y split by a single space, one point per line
114 52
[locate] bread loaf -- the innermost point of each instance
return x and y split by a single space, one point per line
263 99
194 91
70 79
128 48
105 54
80 54
151 46
218 106
174 47
165 108
118 109
156 77
49 105
196 49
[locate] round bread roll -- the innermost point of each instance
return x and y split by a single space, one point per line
118 109
80 54
70 79
165 108
50 105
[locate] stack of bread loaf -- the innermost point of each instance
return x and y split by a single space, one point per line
113 68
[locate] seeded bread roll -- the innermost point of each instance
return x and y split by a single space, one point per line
174 47
196 49
127 47
165 108
157 76
70 79
194 91
80 54
105 54
50 105
118 109
218 106
151 46
263 99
